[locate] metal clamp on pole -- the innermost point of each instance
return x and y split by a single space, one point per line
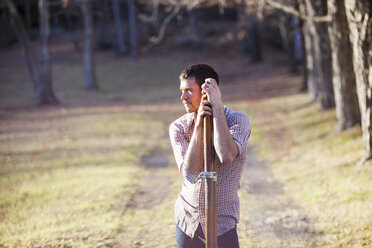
208 175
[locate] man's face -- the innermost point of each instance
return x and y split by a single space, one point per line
190 94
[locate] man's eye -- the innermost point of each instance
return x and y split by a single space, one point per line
189 91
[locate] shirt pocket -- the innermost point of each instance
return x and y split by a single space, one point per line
190 193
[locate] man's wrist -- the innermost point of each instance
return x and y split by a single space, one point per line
218 110
198 125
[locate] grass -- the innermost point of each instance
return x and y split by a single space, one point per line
120 83
75 176
65 186
68 175
318 167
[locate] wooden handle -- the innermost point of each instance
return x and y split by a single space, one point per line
210 185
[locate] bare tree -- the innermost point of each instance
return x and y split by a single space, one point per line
89 66
359 23
311 67
103 34
298 10
132 27
119 27
22 35
286 28
27 4
174 8
42 81
317 47
44 91
249 30
193 27
254 43
67 9
344 86
359 14
317 42
305 73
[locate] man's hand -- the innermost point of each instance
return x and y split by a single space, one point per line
212 92
224 144
211 99
204 109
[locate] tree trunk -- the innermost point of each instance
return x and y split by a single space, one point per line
248 35
132 27
344 86
305 72
359 13
70 27
103 31
287 34
254 43
22 35
44 91
119 27
309 56
320 86
193 20
28 13
90 79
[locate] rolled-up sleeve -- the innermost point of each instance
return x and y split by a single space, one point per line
180 145
240 129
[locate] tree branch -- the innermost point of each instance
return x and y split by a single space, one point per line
294 12
156 40
189 5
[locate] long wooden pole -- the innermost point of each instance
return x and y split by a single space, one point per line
210 184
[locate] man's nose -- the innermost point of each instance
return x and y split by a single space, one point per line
183 96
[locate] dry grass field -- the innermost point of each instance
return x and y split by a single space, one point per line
98 171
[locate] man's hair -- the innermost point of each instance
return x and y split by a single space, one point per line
200 72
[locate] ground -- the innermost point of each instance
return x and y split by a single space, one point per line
98 171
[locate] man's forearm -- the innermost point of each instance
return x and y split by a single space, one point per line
194 155
224 144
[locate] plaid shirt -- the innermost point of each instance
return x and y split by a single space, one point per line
190 205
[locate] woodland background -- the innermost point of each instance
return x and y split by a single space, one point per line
88 89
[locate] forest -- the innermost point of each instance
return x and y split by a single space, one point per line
88 89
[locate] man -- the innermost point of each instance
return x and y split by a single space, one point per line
201 96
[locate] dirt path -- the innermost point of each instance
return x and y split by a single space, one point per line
154 177
269 216
147 217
